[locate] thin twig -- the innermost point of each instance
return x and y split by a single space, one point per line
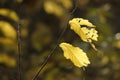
74 9
49 56
19 50
52 52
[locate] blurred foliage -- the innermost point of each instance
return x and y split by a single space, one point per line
7 30
42 22
9 13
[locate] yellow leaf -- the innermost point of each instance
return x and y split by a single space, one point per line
87 33
76 28
75 54
9 13
91 34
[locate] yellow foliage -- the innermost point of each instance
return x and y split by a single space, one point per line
9 13
75 54
8 30
52 8
19 1
76 28
81 21
66 3
88 33
8 44
7 60
6 41
117 44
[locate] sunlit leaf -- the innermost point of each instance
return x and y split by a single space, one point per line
91 34
8 30
9 13
76 28
75 54
81 21
84 29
